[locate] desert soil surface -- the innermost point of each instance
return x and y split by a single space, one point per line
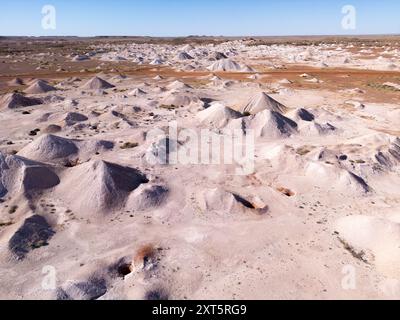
93 204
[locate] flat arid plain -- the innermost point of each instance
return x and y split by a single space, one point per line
97 203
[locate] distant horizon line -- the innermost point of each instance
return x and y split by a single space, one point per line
202 36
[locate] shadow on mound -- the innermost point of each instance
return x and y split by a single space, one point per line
157 294
20 174
91 289
34 233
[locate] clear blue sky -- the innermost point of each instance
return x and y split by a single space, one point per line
198 17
